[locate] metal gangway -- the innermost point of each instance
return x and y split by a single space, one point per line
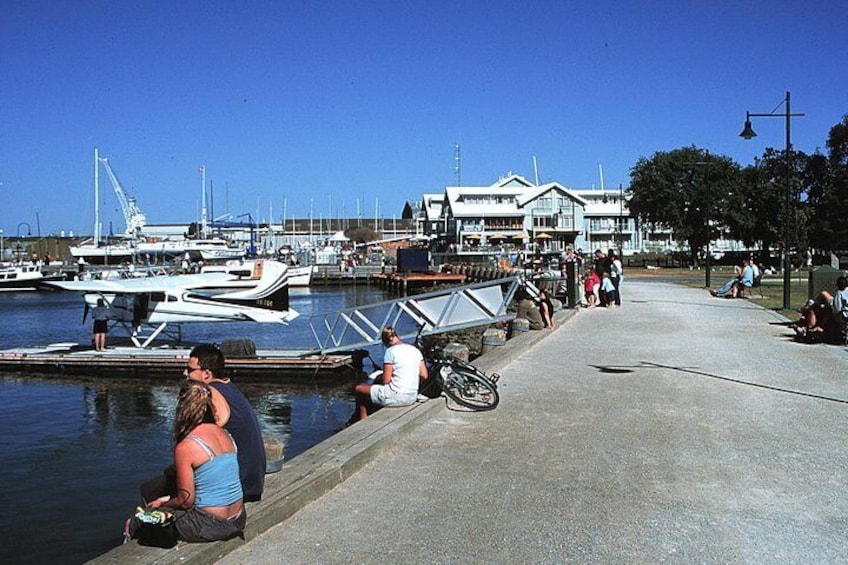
448 309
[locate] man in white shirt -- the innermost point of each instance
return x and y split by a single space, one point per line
403 368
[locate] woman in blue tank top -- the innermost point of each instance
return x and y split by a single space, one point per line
209 502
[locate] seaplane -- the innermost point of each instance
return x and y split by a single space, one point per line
145 307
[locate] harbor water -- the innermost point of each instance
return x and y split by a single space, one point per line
74 451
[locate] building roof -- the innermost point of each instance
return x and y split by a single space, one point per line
477 201
432 205
534 192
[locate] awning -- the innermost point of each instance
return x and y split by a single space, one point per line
497 236
544 236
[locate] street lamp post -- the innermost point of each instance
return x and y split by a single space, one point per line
620 220
707 213
748 133
2 250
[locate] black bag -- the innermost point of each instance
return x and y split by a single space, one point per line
432 387
163 534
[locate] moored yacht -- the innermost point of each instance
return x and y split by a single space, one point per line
23 277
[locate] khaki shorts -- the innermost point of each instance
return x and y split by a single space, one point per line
382 395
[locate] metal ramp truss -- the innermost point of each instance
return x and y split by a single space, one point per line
448 309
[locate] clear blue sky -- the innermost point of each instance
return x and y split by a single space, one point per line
338 102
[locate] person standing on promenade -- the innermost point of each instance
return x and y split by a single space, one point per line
403 369
100 315
234 413
591 287
601 266
617 275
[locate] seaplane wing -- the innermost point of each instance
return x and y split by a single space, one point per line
147 284
157 301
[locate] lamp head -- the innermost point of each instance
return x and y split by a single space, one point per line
748 132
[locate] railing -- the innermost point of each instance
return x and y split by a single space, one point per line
438 311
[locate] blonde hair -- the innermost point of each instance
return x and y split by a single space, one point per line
389 333
194 407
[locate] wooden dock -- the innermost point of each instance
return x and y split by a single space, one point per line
169 362
406 283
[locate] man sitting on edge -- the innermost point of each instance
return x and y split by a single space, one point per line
234 413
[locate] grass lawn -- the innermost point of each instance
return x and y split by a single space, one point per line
772 285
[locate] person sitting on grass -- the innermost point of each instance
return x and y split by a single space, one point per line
744 279
825 317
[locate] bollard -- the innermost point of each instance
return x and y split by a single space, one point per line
456 350
520 325
274 453
492 339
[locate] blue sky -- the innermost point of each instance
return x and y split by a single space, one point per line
339 105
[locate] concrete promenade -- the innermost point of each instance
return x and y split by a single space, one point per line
679 428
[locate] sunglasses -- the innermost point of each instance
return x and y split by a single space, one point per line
189 369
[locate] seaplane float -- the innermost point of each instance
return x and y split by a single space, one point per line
144 307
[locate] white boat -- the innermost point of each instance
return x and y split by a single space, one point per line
132 246
205 249
93 254
244 270
213 249
301 276
22 277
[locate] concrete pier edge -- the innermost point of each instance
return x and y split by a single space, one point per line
323 467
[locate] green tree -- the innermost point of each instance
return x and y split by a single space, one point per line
828 194
765 200
690 191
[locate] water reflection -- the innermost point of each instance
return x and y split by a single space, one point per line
98 439
65 443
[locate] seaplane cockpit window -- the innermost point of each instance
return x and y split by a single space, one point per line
157 297
172 298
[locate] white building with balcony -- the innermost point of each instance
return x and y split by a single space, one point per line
511 214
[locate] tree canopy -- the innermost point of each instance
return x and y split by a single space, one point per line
701 196
690 191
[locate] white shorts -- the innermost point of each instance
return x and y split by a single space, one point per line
384 396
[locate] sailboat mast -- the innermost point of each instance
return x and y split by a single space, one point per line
203 217
536 169
96 199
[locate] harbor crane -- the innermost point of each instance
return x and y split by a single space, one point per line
133 216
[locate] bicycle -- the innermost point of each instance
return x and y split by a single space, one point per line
461 381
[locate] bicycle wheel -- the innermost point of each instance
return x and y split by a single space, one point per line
460 364
468 388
